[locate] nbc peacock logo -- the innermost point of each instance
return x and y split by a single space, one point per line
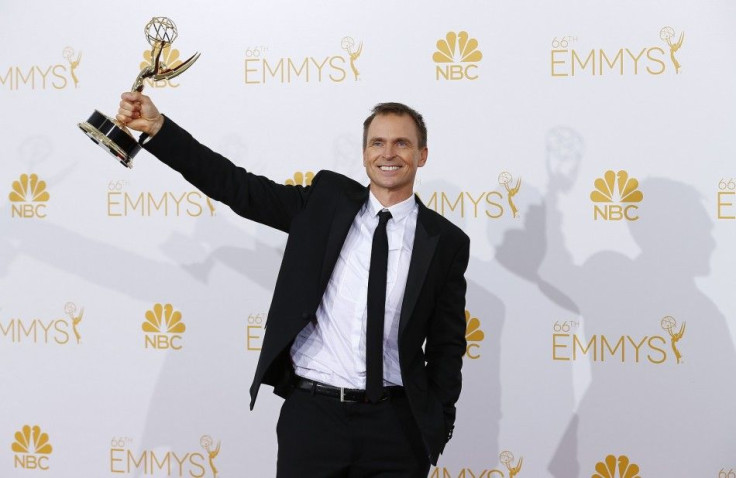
29 197
612 188
473 336
457 57
616 467
32 448
163 327
169 59
300 179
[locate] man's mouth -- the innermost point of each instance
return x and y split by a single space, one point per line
388 168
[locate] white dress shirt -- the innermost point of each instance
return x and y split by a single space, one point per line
332 350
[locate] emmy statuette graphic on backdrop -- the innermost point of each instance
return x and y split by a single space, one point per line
109 133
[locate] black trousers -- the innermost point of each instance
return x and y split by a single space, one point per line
321 437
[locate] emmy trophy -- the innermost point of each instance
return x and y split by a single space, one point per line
113 136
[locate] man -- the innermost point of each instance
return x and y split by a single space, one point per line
366 330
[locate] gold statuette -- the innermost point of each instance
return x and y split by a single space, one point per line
113 136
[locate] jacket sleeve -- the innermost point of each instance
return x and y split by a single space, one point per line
254 197
446 343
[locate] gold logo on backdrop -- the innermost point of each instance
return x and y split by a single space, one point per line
669 324
568 345
254 331
457 48
163 319
454 49
210 205
71 310
489 204
157 462
163 326
613 467
570 58
262 67
206 442
55 76
612 183
121 202
169 59
506 179
28 195
348 44
726 192
30 442
507 458
616 187
666 34
40 331
301 179
68 54
29 189
473 334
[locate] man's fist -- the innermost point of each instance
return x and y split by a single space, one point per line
138 112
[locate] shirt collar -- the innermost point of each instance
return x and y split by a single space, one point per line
398 210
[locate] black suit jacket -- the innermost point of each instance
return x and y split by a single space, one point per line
317 219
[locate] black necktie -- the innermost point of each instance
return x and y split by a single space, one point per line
376 310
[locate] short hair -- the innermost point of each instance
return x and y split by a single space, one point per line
398 109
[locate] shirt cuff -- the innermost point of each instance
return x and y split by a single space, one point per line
145 138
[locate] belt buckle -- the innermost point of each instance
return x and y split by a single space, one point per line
342 397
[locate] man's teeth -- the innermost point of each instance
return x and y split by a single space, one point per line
389 168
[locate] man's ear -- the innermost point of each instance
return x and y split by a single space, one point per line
423 153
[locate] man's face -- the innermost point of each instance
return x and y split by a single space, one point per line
392 156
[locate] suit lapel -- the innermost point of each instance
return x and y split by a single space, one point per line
425 243
344 214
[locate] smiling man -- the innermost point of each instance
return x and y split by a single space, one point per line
394 146
366 330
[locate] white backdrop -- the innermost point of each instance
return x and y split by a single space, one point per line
600 324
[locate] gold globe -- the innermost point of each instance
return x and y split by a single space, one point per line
160 29
668 322
666 33
506 457
504 177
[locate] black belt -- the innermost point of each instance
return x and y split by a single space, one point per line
344 394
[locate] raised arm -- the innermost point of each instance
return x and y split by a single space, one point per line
251 196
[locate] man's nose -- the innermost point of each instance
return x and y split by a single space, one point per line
388 151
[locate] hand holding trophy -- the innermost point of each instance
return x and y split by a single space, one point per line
110 134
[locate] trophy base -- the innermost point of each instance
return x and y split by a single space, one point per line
112 137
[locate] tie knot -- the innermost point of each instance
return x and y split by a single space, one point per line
383 216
